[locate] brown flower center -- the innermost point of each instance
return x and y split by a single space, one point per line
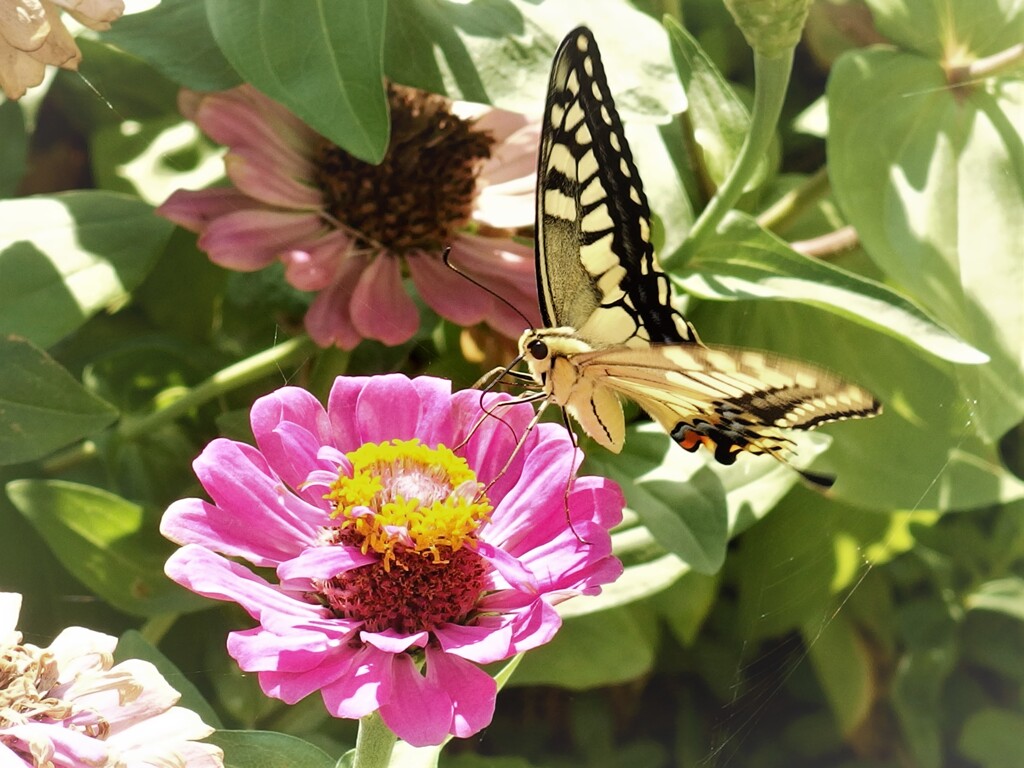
424 188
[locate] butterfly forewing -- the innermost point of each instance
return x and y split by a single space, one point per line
596 268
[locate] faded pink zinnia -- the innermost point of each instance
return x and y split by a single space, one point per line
69 705
350 231
405 554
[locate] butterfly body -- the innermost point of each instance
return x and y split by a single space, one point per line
614 332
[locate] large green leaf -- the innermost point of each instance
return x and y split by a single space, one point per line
175 38
994 738
499 51
844 667
42 407
929 634
66 257
323 60
941 28
589 651
933 180
107 543
268 749
744 261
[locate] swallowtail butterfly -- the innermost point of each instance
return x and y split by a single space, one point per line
612 330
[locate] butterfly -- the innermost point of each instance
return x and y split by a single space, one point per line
612 331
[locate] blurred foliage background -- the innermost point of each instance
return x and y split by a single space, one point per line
759 623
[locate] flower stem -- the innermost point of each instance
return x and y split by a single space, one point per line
991 66
781 213
374 743
232 377
155 628
771 78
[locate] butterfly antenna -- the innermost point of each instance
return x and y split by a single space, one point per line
446 258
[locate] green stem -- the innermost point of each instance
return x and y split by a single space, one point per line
771 78
783 211
226 380
374 743
158 626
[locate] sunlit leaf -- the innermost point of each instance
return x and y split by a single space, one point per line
66 257
746 262
499 52
932 180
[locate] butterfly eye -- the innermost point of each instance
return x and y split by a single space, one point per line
538 349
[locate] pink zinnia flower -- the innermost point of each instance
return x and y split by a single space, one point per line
68 705
404 553
348 230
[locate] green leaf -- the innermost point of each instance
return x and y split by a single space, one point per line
942 29
105 542
130 89
66 257
594 650
746 262
14 148
785 567
175 38
499 52
1003 595
42 407
992 738
276 45
932 179
132 645
928 631
679 500
686 604
844 668
719 120
268 749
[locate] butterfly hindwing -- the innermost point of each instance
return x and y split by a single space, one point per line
596 268
729 400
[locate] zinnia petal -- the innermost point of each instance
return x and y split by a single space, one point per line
381 309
